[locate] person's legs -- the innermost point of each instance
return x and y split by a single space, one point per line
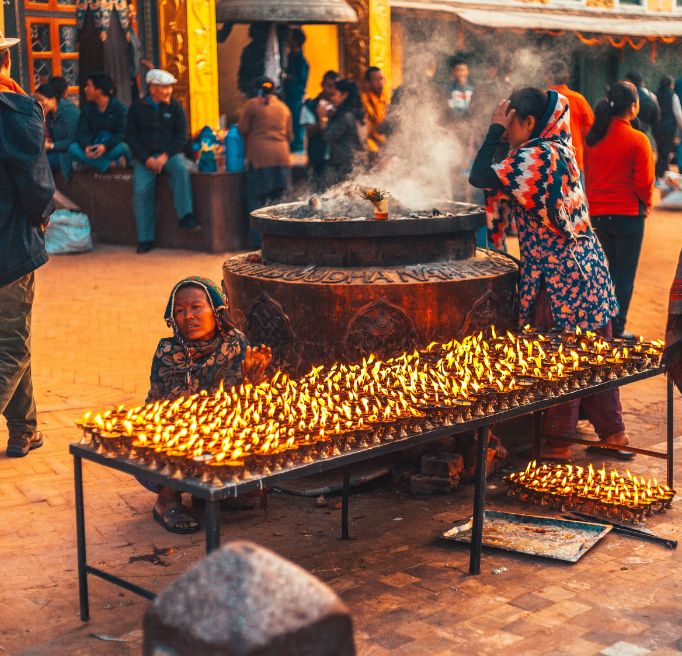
628 237
664 147
144 186
178 169
603 410
79 155
16 390
120 150
605 229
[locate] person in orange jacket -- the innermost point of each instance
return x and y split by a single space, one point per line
582 116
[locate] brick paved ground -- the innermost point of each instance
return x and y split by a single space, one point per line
97 320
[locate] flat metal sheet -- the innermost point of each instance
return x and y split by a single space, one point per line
548 537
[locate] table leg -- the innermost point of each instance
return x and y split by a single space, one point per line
345 502
80 539
212 526
670 428
479 500
537 436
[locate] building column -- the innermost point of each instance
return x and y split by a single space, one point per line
188 50
368 42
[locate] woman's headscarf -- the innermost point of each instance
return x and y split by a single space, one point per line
182 367
542 175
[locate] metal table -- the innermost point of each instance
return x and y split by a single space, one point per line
213 495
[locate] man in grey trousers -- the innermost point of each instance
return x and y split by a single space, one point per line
26 190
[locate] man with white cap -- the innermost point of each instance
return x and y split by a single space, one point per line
156 132
26 190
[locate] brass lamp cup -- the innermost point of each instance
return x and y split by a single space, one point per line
178 464
528 386
302 454
599 371
363 437
199 464
484 402
463 410
615 369
113 443
264 463
224 472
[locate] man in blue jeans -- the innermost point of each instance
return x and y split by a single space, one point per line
156 133
99 144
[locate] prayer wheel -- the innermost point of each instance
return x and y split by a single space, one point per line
332 285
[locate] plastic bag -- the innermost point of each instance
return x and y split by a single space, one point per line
671 191
68 232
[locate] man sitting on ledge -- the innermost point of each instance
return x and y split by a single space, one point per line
101 125
157 132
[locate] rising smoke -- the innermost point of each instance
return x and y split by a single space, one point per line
426 156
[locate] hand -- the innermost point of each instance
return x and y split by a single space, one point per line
152 164
256 361
97 151
161 160
49 145
503 115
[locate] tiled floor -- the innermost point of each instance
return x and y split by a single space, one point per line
97 320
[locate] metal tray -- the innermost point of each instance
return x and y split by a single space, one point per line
548 537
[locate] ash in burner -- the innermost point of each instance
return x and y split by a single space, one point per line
351 209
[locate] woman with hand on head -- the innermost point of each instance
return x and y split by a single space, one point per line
205 352
564 278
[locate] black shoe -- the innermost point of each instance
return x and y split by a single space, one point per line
188 222
145 246
19 446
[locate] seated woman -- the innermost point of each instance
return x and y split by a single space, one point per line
564 282
205 351
62 126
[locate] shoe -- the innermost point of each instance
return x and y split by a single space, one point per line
19 446
145 247
619 439
188 222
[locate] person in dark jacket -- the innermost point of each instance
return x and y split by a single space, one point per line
339 125
649 110
157 132
99 141
671 120
317 147
26 190
295 82
61 129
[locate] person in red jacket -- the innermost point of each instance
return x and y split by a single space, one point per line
619 180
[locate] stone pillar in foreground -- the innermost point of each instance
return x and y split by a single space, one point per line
244 600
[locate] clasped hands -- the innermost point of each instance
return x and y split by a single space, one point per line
156 164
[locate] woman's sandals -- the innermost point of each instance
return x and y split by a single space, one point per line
177 520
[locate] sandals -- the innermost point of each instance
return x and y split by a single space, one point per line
615 453
177 520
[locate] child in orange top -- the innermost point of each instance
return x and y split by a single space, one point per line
619 179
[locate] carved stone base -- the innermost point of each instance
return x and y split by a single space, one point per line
319 315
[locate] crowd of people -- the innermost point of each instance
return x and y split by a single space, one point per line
104 134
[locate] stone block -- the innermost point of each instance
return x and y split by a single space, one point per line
421 485
442 464
244 600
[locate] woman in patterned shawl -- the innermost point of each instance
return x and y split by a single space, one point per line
205 351
564 277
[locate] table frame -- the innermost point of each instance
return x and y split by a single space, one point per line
213 495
